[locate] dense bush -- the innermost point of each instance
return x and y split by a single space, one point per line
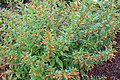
44 41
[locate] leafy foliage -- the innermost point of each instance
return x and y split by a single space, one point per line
44 41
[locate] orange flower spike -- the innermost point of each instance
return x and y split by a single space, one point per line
48 2
53 5
82 17
99 29
49 16
102 55
69 76
49 46
38 15
103 36
10 8
93 5
91 65
86 56
87 43
112 38
7 44
98 57
18 23
34 6
24 19
105 78
11 57
25 58
37 7
106 45
47 56
4 15
56 77
2 29
116 14
34 35
113 19
11 28
116 31
31 71
20 47
21 34
75 73
0 75
112 28
23 55
114 42
56 0
31 62
109 33
75 7
111 56
56 12
69 32
26 35
66 77
102 26
44 41
53 23
36 73
53 50
67 37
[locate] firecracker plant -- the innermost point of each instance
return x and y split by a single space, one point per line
51 40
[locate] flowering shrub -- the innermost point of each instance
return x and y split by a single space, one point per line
51 40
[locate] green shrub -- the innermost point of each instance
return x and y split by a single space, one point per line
46 42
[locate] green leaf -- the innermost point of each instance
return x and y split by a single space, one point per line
0 21
52 63
18 75
59 62
8 71
3 78
10 78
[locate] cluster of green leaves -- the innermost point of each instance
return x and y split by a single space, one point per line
9 1
51 40
13 2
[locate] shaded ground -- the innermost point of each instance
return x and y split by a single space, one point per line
109 69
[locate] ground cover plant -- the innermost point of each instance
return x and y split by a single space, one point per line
51 40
